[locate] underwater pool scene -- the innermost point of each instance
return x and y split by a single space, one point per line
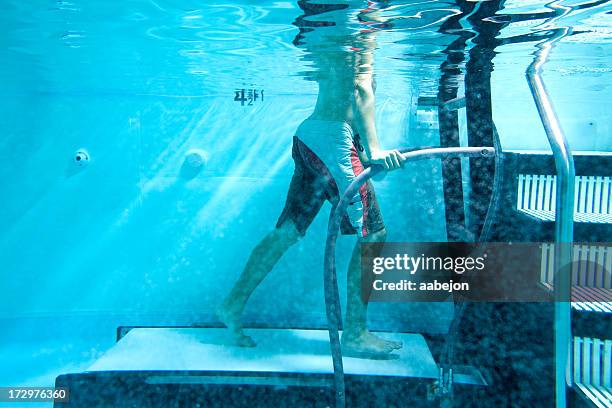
191 192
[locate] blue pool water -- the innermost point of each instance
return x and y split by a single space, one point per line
134 238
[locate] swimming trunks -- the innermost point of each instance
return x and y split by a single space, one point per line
326 162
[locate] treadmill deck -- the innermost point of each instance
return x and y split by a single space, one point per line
280 351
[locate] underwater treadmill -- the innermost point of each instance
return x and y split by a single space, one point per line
169 367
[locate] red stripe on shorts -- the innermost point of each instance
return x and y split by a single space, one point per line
363 190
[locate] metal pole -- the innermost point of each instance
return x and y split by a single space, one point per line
564 218
332 297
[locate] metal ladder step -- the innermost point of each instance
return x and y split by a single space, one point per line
592 370
592 198
591 276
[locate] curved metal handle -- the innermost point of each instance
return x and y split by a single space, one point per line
332 297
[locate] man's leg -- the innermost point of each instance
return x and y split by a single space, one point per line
263 258
356 335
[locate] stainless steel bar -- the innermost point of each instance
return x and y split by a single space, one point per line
564 217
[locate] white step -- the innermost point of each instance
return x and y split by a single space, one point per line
592 370
592 198
591 276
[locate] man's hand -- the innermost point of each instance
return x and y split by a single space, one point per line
389 159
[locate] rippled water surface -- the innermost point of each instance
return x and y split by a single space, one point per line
191 47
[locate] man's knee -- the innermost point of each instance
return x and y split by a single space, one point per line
287 233
377 236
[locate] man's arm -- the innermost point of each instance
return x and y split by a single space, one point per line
364 107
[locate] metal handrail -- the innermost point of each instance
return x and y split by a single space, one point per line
564 216
332 297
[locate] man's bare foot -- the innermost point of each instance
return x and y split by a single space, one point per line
232 321
364 342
